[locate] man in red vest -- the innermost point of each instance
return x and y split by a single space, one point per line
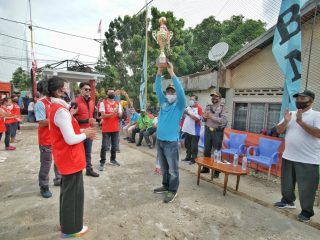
84 116
111 111
42 110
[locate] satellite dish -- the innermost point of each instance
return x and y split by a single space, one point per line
218 51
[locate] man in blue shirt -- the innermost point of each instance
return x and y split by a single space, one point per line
172 105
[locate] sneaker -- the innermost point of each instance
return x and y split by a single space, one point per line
149 146
57 183
192 161
303 218
45 193
205 170
10 148
186 159
92 173
170 196
284 205
101 167
78 234
162 189
115 163
138 144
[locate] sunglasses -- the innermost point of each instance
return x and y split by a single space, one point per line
87 89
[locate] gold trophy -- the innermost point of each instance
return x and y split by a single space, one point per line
163 37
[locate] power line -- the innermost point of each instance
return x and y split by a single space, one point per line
47 29
43 45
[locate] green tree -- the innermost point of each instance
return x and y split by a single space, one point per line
235 31
21 79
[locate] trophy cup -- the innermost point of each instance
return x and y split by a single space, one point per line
163 37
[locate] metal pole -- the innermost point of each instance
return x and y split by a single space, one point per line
146 52
311 42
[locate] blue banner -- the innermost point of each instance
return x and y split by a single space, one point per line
287 50
143 83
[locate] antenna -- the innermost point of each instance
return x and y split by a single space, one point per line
216 53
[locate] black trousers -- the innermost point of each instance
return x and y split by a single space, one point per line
71 203
148 133
307 178
133 134
191 144
212 139
114 139
8 135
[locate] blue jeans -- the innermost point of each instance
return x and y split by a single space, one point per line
168 154
87 148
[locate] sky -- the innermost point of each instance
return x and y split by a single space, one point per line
81 17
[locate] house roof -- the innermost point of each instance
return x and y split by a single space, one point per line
72 76
255 46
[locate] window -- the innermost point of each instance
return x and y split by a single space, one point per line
256 117
240 116
253 117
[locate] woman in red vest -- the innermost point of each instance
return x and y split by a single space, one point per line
8 122
69 157
2 125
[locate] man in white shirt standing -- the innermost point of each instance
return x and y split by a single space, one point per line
301 158
191 129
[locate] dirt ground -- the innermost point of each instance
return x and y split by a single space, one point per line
120 203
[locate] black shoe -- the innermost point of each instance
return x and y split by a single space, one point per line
45 192
92 173
131 141
186 159
57 182
303 218
162 189
126 138
284 205
192 161
149 146
170 196
138 144
205 170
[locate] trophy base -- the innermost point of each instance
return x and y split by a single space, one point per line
162 62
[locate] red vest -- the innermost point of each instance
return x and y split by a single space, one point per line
69 159
16 111
110 124
2 124
8 120
84 112
43 132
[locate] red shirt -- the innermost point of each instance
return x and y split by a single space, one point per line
85 111
8 120
110 124
44 132
69 159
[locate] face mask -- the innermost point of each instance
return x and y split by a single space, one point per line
171 98
302 105
191 103
111 95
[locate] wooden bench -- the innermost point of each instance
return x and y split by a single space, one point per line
226 168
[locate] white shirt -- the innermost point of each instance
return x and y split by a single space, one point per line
63 120
190 125
155 121
31 106
300 146
102 108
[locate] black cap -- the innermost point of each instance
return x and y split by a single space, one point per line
305 93
170 86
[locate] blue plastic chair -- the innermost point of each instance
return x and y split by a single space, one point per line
267 153
235 144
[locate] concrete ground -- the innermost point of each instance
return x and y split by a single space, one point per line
120 203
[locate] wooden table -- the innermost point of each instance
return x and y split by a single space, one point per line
221 167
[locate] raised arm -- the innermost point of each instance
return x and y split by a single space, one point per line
159 91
